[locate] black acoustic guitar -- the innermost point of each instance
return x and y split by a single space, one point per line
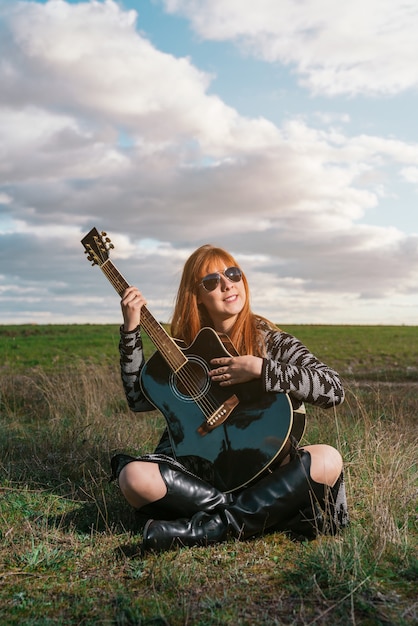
240 430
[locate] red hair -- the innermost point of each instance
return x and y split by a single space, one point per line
189 317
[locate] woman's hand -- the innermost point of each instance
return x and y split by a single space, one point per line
131 304
236 369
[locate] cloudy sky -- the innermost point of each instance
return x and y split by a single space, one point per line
284 131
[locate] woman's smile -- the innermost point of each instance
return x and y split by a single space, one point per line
224 303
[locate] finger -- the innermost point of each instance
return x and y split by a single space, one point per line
219 373
129 290
134 297
221 361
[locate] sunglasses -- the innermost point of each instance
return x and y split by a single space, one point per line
211 281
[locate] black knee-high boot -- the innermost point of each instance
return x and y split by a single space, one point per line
327 515
186 493
272 502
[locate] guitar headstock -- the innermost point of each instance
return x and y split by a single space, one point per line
97 246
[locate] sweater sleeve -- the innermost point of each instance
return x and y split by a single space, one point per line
131 363
290 367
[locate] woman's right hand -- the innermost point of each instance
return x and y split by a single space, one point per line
131 304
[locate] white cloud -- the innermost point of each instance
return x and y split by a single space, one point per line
89 61
40 145
351 48
5 198
410 174
98 127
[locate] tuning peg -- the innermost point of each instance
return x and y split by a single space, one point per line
106 240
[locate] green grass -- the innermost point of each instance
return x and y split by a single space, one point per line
372 352
70 545
51 346
368 352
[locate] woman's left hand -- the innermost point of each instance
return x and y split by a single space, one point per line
236 369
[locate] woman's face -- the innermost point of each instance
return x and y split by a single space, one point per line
225 302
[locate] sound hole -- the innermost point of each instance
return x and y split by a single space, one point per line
192 381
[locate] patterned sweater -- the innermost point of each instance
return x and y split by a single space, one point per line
288 366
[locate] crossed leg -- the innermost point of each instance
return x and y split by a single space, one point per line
142 483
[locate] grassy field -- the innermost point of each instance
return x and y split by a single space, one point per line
363 352
70 545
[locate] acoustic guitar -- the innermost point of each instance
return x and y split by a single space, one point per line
240 430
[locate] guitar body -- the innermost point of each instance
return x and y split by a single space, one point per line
241 447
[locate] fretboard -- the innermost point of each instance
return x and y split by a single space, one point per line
157 333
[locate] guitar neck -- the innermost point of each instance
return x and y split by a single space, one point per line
158 335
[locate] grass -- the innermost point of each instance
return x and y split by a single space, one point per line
361 352
69 550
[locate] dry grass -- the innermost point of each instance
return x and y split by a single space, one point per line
70 544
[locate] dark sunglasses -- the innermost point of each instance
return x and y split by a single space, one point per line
211 281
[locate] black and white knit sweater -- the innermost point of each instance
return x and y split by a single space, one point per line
288 367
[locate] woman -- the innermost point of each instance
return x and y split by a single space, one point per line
303 494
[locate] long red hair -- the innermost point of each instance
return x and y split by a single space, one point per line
189 317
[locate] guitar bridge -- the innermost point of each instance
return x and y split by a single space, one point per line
219 416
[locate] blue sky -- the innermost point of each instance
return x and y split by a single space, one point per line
284 132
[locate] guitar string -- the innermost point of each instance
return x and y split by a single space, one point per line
191 382
185 375
207 403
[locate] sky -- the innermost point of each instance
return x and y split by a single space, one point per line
284 131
